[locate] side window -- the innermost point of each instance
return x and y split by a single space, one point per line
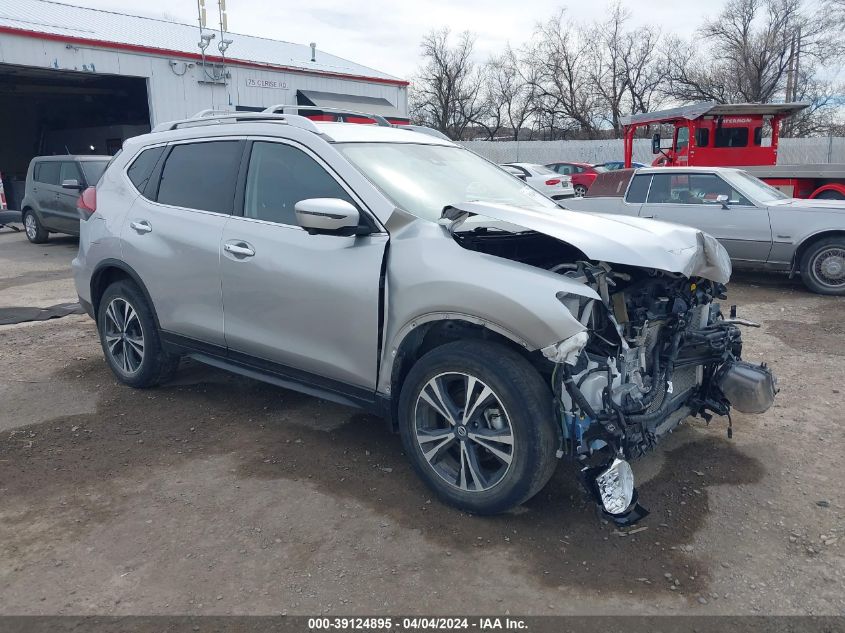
279 176
48 172
576 169
669 189
201 176
638 189
566 170
732 137
683 139
142 167
706 188
69 171
702 137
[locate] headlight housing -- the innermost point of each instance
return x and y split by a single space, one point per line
616 486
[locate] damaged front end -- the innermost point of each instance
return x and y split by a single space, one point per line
656 350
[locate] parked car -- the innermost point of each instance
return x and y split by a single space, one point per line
543 179
53 184
495 334
582 175
613 165
760 226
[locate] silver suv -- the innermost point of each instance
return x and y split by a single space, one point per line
396 271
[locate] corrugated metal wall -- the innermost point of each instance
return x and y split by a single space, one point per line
790 151
175 91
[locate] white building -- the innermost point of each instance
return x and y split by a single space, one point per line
81 80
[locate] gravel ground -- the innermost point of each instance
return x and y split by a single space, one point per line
219 495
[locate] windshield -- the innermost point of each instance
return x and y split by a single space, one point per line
758 190
93 169
423 179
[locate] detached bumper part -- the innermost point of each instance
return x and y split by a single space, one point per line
613 489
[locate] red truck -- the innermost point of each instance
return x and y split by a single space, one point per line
743 135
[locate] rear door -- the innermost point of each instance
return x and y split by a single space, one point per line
45 189
307 305
691 199
172 234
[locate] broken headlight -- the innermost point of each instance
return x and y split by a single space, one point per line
616 487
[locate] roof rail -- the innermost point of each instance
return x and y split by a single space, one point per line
211 117
379 119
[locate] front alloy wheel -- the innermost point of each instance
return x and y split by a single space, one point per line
477 423
463 431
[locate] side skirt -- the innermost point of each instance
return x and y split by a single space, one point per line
277 374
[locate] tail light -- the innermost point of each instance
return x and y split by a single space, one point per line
87 203
553 181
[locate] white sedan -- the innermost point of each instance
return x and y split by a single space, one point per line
552 184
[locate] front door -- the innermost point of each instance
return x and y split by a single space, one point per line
300 302
67 217
691 199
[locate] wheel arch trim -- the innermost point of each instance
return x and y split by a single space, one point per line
391 351
809 240
112 264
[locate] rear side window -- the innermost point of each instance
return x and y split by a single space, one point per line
141 169
279 176
93 170
638 189
48 172
201 176
731 137
69 171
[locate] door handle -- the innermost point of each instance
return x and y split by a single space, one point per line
141 226
239 249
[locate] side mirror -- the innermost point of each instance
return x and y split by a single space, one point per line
723 200
71 183
655 143
328 216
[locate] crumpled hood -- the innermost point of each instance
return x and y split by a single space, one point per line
617 239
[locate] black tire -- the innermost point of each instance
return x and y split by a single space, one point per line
33 229
154 365
580 191
528 408
822 264
830 195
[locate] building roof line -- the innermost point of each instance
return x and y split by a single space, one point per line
138 48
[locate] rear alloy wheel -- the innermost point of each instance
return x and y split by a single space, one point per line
476 421
580 191
130 339
823 266
35 233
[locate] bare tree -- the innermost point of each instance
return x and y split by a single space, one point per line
646 68
563 83
753 49
607 43
447 92
509 93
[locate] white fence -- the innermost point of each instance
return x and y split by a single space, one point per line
791 151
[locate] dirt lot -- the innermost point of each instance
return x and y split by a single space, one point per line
216 494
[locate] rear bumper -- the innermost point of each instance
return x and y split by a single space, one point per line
89 309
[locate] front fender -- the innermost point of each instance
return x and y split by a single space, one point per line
431 277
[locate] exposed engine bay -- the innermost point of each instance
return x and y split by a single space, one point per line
656 349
